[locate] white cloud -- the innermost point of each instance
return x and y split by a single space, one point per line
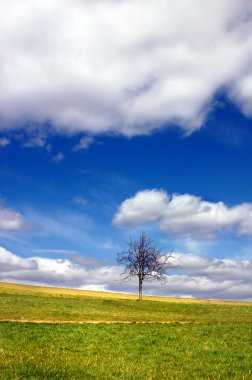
184 214
215 269
10 262
33 142
4 141
202 277
80 200
145 206
54 251
84 143
242 94
191 244
126 66
10 220
58 157
60 272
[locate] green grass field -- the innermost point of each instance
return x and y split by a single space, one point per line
48 333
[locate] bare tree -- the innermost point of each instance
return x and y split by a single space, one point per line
141 259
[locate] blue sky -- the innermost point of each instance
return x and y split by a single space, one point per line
150 129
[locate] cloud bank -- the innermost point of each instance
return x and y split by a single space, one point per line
202 277
184 214
128 67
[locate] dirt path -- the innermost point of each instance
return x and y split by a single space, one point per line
95 322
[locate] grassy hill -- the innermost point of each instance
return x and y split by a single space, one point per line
69 334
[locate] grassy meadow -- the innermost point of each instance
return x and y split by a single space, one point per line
50 333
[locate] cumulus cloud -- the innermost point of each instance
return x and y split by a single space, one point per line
184 214
213 268
75 272
10 220
201 277
121 66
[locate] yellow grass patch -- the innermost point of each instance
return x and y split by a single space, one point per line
65 292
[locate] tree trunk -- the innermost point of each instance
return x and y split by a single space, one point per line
140 290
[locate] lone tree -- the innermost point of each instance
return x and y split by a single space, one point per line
141 259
